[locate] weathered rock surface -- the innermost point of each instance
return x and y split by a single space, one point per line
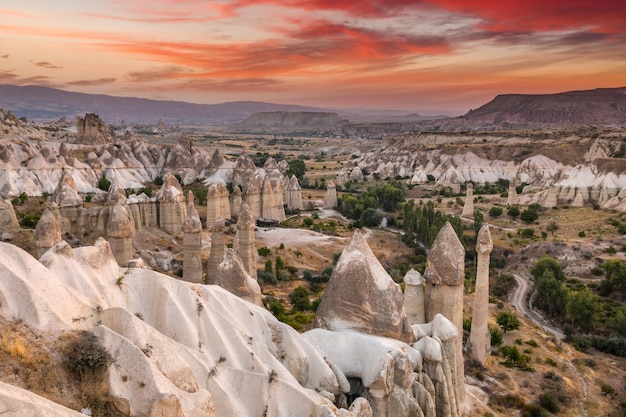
294 194
120 231
47 232
414 297
361 296
218 204
330 200
91 130
217 251
192 244
468 207
245 240
8 219
66 192
172 206
444 275
479 342
451 159
231 275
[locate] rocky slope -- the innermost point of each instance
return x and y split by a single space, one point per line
182 349
599 107
588 163
290 121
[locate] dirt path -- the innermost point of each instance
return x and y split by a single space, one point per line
518 299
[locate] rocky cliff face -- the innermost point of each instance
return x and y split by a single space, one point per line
599 107
282 120
575 162
183 349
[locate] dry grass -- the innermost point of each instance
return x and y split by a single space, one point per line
35 362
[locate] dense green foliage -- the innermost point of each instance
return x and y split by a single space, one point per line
297 168
507 321
422 223
104 184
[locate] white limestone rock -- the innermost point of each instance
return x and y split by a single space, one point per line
361 296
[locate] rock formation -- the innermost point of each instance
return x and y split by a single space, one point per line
218 204
120 231
217 251
550 199
47 232
361 296
192 243
414 297
235 201
479 342
246 241
330 200
233 277
294 194
252 196
244 171
444 275
66 193
91 130
272 200
8 219
172 207
468 207
511 199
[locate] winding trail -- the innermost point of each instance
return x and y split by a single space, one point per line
518 299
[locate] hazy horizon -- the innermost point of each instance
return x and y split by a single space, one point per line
430 57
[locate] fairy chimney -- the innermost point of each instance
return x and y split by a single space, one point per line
468 207
479 342
120 231
47 232
361 296
172 205
246 240
217 251
414 297
192 244
444 275
330 201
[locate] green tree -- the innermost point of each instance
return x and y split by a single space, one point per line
614 276
507 321
104 184
264 251
299 299
371 217
547 263
513 212
495 211
280 265
550 293
268 266
552 227
581 308
529 216
389 197
297 168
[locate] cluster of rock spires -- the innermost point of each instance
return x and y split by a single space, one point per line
368 355
592 171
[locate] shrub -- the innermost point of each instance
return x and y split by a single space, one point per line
508 321
496 337
104 184
85 356
582 233
513 212
299 299
264 251
549 402
495 211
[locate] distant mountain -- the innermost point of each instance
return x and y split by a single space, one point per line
601 107
43 104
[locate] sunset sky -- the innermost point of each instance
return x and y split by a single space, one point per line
428 56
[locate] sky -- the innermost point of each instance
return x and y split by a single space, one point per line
428 56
